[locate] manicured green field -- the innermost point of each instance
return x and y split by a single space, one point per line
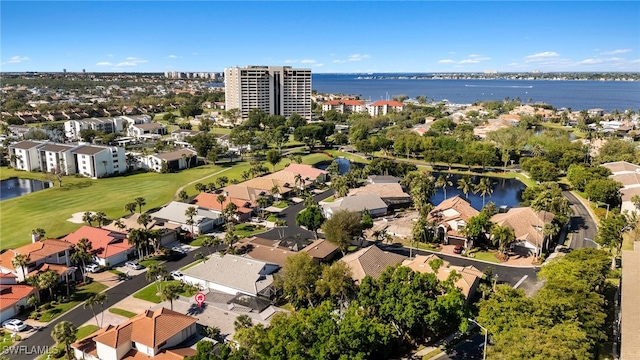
49 209
85 331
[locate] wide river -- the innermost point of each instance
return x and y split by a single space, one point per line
577 95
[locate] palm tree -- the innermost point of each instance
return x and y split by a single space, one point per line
190 213
298 181
245 175
65 333
263 202
130 207
100 218
242 322
82 255
120 225
443 182
222 181
484 188
230 237
502 236
275 192
183 196
209 242
96 299
88 217
465 184
138 238
200 187
221 199
140 201
171 292
144 219
48 280
200 256
21 261
156 273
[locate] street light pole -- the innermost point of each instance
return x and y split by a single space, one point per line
486 335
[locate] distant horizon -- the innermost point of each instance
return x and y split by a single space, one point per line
332 37
332 73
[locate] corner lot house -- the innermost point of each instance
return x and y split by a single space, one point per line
109 247
628 175
233 275
152 334
44 253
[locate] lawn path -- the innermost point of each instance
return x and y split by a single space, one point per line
175 196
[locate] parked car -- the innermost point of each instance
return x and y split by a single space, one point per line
458 249
92 268
177 275
133 265
14 325
179 249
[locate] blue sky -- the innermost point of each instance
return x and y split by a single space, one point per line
327 36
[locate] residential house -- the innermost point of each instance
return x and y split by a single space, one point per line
18 131
109 247
358 203
450 217
383 179
175 160
180 136
210 201
151 334
309 174
265 250
383 107
391 193
175 212
344 106
628 175
168 232
41 254
13 297
370 261
233 274
322 251
493 125
528 227
147 131
469 279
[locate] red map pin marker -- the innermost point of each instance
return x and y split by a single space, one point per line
200 299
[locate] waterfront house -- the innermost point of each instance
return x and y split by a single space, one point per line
450 217
356 203
528 227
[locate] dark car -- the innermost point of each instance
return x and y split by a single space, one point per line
458 249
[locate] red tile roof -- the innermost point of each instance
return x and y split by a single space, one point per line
105 243
306 171
36 251
345 102
11 294
388 103
58 268
210 201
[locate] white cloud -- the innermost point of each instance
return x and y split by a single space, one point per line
290 61
616 52
307 61
17 59
474 59
590 61
317 65
109 55
131 61
174 57
446 61
339 61
104 63
358 57
468 61
542 56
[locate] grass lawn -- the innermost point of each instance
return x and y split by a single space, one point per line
49 209
85 331
330 199
149 293
79 296
199 240
122 312
486 256
272 218
282 204
246 230
152 261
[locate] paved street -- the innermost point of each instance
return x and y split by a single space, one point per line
582 224
470 348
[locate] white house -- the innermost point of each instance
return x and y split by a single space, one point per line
358 203
175 213
98 161
42 255
232 274
176 160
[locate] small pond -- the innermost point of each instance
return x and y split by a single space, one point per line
343 165
506 192
14 187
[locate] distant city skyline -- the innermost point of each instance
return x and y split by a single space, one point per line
326 36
